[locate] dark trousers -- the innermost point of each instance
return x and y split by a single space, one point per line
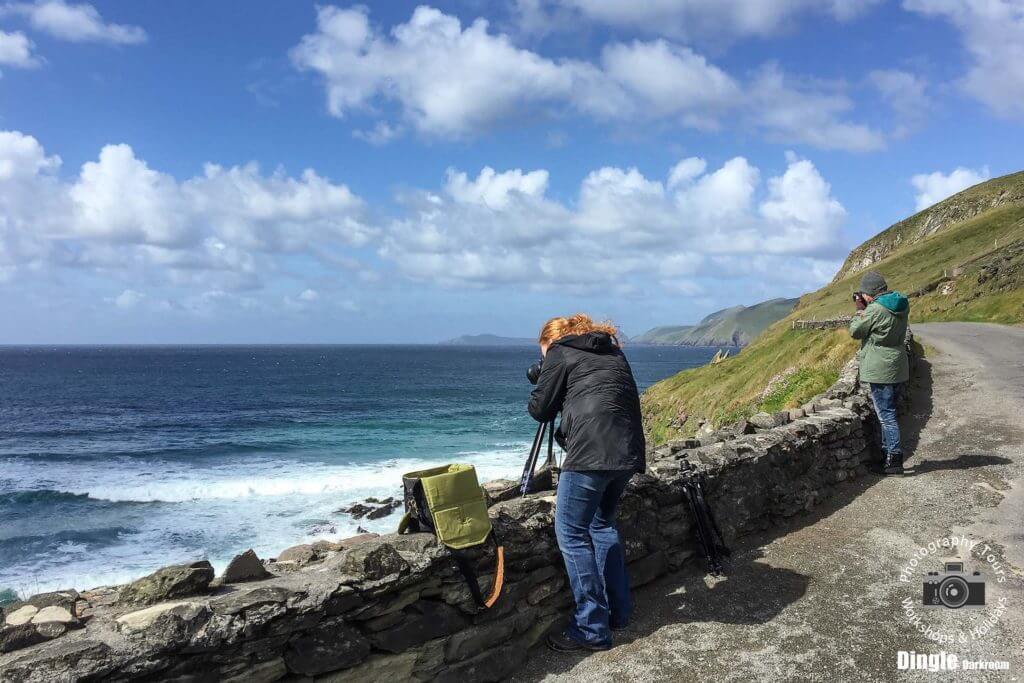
594 558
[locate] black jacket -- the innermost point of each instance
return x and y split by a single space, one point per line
588 379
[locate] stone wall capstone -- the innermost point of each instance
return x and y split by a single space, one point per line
394 607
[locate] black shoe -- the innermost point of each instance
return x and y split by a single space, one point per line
893 464
878 466
563 642
619 627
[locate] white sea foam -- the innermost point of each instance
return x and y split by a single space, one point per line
211 512
125 480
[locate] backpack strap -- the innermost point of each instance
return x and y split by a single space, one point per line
465 565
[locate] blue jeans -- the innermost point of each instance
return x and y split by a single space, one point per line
594 557
885 397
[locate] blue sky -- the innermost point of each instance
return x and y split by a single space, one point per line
291 172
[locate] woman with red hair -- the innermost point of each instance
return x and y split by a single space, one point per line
585 376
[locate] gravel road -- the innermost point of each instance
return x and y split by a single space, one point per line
822 598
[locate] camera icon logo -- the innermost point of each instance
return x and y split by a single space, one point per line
954 588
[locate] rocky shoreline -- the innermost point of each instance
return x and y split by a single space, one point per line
393 607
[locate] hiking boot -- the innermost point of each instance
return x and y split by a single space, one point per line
563 642
893 464
878 466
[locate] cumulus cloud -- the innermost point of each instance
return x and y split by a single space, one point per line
77 23
501 228
934 187
448 79
210 242
453 81
691 20
993 35
222 228
17 50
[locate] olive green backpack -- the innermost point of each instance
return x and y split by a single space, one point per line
449 502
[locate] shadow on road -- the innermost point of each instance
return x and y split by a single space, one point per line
961 462
753 592
919 411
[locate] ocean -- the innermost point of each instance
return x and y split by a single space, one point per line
115 461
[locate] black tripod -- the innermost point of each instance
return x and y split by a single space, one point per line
531 461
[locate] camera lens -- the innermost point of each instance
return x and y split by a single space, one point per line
533 372
953 592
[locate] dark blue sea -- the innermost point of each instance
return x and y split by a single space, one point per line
115 461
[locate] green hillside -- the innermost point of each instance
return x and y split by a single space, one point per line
735 326
971 269
666 335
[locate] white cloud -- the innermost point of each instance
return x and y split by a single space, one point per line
309 295
934 187
449 80
454 81
500 228
225 228
16 50
806 112
670 81
381 133
706 21
31 200
21 156
120 198
993 34
75 22
496 190
129 298
906 94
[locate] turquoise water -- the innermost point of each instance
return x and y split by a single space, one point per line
116 461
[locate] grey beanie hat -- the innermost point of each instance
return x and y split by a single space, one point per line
872 283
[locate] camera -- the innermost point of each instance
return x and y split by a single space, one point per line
954 588
533 372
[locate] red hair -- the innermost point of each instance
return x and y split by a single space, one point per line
581 323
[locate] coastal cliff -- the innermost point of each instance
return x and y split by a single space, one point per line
735 326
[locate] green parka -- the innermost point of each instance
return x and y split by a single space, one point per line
882 329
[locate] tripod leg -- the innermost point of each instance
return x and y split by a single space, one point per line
531 461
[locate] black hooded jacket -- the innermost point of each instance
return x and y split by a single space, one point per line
588 379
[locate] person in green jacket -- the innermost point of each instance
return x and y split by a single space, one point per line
881 326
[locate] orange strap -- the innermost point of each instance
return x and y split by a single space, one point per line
499 578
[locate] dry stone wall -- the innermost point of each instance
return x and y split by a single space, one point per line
394 607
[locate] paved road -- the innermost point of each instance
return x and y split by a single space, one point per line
821 599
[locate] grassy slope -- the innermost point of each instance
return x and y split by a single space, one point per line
666 334
734 388
963 205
